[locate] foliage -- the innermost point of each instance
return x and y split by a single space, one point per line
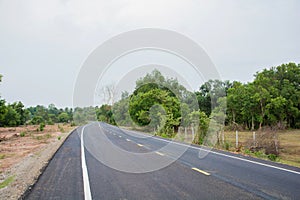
155 103
105 114
63 117
272 157
42 126
272 99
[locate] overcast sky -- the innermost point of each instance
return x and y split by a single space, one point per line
44 43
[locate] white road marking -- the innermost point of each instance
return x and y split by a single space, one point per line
120 136
128 140
201 171
228 156
161 154
220 154
140 145
85 174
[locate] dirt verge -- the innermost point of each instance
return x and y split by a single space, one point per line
24 152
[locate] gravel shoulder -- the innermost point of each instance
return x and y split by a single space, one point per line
21 175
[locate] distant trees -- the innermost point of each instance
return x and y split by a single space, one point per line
15 114
272 99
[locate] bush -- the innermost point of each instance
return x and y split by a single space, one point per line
227 145
22 134
266 141
247 151
42 126
272 157
50 122
259 154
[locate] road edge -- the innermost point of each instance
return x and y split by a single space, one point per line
44 167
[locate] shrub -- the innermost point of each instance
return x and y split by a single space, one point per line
247 151
227 145
272 157
42 126
22 134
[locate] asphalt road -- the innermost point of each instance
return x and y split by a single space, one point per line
99 161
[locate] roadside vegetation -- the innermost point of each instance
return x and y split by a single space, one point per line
269 106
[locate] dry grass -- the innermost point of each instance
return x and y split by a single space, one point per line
289 144
16 143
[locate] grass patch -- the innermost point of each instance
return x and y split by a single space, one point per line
61 129
43 137
6 182
59 137
48 135
22 134
289 149
2 156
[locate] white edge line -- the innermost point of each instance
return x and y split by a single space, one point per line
229 156
85 174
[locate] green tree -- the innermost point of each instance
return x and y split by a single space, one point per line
63 117
11 117
105 114
22 112
120 111
3 111
210 92
141 103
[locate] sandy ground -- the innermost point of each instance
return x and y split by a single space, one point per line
24 151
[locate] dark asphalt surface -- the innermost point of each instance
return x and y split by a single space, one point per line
62 179
229 178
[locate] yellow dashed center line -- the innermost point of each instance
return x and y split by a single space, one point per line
161 154
140 145
201 171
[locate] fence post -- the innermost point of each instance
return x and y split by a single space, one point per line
254 139
223 137
193 132
236 139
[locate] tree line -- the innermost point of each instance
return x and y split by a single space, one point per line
163 105
158 103
16 114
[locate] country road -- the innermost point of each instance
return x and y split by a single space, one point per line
100 161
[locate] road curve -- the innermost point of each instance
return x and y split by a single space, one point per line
110 165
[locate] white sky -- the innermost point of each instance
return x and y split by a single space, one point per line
44 43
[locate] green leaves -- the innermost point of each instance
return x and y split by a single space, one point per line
272 99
